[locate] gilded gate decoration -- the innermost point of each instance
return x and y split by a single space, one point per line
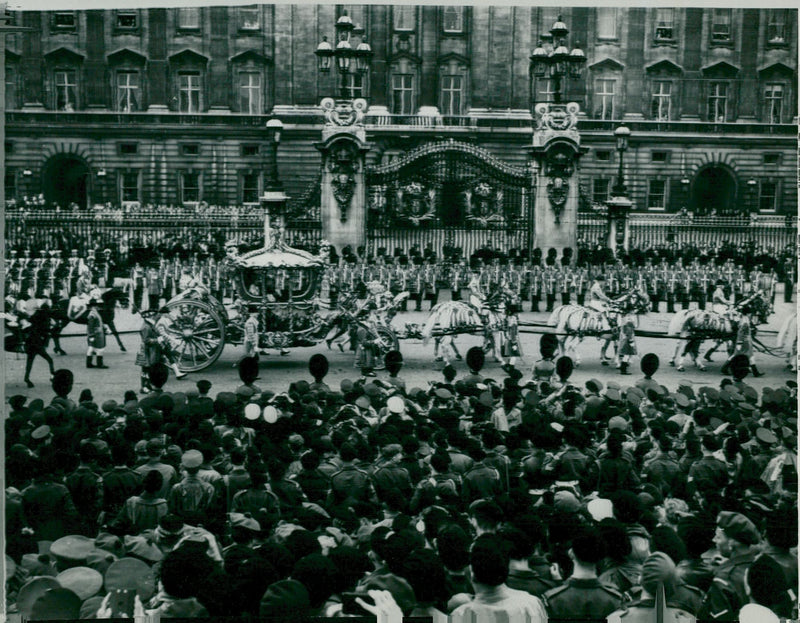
448 193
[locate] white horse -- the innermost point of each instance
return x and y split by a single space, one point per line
574 322
787 340
451 318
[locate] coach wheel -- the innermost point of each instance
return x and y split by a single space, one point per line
197 334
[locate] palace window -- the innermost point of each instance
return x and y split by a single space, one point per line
721 25
128 149
777 26
773 102
661 104
453 19
665 24
190 149
250 93
11 88
250 149
656 195
767 196
128 91
544 90
659 156
717 101
10 181
66 84
773 158
249 18
64 20
604 98
127 20
354 85
189 91
403 94
404 17
600 188
190 187
189 18
251 190
452 95
607 23
603 155
129 186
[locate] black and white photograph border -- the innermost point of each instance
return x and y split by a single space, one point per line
404 199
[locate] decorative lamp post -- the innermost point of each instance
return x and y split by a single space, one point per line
619 204
344 53
273 200
555 61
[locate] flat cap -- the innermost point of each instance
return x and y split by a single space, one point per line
737 526
73 548
192 458
244 520
82 581
766 436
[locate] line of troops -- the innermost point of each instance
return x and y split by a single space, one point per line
545 287
549 286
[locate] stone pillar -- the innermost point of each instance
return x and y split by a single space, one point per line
343 185
555 151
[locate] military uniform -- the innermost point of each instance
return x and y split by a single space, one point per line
481 481
727 592
349 483
643 611
582 598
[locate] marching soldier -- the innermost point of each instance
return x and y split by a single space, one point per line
706 288
137 284
672 289
432 283
154 287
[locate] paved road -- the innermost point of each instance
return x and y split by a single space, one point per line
419 368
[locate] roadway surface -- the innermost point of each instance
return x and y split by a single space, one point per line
419 365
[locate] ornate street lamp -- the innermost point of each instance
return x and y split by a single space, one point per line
344 53
622 134
273 200
619 204
556 61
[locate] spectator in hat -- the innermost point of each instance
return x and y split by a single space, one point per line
615 472
662 470
238 478
144 511
155 451
350 483
698 536
47 504
735 537
709 475
390 475
191 498
766 584
257 500
313 481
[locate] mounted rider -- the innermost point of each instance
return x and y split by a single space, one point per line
598 299
84 288
720 303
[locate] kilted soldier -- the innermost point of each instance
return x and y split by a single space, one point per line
95 336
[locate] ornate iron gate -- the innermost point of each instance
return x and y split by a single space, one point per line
448 196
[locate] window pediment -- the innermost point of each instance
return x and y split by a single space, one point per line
64 56
126 56
250 56
776 69
607 64
189 58
405 56
721 69
454 58
664 66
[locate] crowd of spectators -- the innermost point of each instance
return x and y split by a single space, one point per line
480 498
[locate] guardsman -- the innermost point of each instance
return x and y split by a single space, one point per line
60 275
514 278
432 282
551 283
154 286
565 278
582 285
417 282
706 287
137 283
627 281
789 278
672 289
612 283
455 282
536 286
736 538
74 265
654 288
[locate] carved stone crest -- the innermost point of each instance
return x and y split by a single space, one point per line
343 164
557 191
343 113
